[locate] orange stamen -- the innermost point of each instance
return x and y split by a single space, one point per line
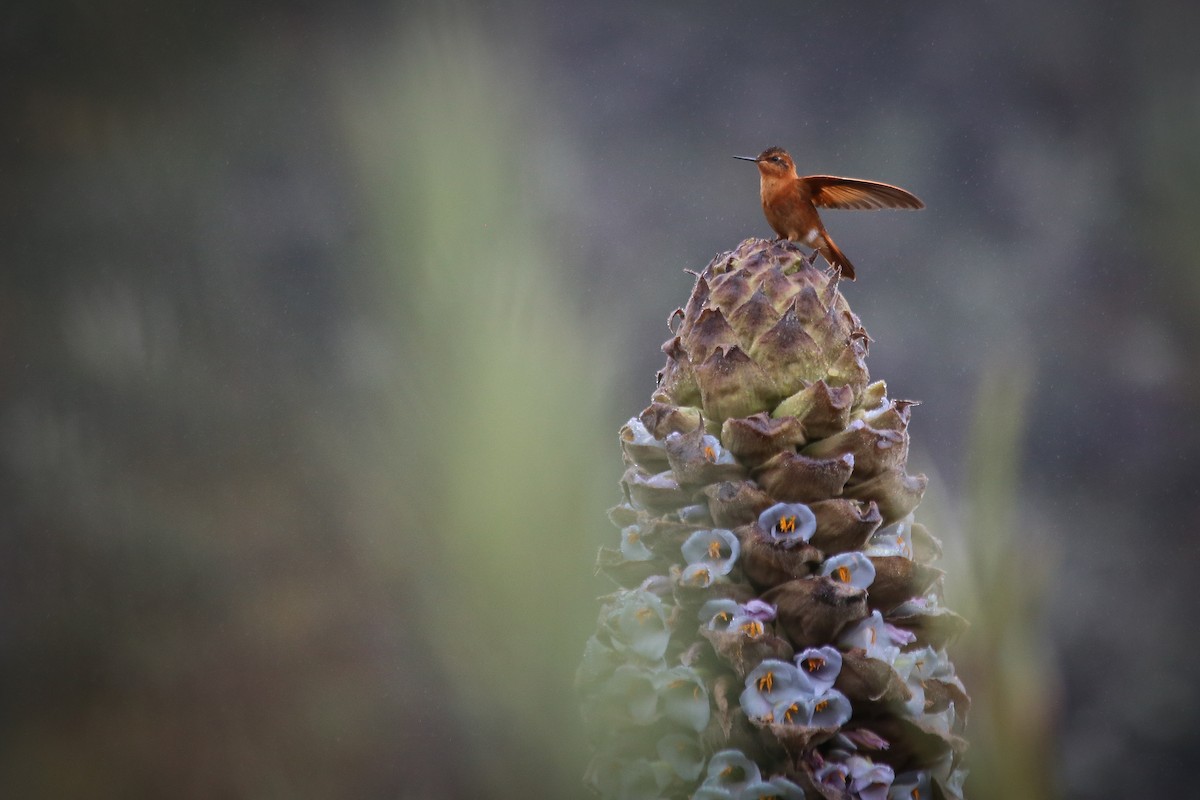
787 524
766 682
752 628
842 574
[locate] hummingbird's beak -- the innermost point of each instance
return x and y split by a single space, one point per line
745 158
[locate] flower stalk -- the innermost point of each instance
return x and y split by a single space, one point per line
778 630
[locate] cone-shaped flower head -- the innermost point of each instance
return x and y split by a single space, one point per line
779 632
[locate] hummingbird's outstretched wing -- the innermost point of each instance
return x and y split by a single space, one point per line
830 191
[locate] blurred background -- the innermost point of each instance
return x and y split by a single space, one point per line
317 324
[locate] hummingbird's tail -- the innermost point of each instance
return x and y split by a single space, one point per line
835 256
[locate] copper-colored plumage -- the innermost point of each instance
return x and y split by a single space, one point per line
790 202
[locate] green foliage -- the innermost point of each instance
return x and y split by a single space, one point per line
490 458
1002 591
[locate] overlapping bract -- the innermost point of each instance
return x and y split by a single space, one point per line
779 631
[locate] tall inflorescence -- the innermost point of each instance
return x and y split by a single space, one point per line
778 631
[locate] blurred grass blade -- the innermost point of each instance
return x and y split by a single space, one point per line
486 448
1003 653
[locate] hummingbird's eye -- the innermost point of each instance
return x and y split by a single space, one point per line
777 159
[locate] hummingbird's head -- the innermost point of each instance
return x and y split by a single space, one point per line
774 162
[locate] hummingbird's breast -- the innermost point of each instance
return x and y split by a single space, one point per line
789 209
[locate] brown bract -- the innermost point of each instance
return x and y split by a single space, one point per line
659 492
868 680
734 503
663 419
796 478
767 564
693 462
756 438
823 409
874 450
813 611
893 490
844 525
743 653
934 628
898 579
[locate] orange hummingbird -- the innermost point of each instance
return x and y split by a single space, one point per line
791 202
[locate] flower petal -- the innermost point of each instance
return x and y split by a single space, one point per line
768 684
821 665
717 548
788 524
731 770
684 697
683 755
854 569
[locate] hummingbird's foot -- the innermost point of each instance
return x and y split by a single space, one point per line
783 243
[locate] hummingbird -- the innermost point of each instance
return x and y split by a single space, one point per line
790 202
